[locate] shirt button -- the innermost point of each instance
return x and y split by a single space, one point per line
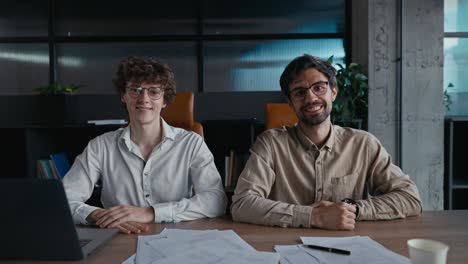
147 195
319 190
146 174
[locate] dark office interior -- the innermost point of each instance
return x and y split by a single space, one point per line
230 54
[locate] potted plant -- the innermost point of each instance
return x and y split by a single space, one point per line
57 89
350 108
447 98
55 106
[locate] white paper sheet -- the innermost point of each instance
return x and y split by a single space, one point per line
363 250
197 246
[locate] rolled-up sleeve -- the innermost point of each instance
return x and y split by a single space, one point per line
250 201
80 180
393 194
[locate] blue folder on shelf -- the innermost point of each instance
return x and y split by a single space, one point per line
61 163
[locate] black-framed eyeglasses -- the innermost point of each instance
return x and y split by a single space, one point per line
319 88
154 93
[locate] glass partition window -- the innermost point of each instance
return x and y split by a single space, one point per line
94 65
26 18
23 68
123 18
456 55
273 17
455 16
257 65
212 45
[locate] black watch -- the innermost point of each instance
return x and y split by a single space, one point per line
352 202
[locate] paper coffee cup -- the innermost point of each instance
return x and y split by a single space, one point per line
426 251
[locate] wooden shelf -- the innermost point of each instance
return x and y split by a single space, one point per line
460 184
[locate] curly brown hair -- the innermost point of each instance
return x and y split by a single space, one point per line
145 69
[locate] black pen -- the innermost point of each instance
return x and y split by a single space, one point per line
329 249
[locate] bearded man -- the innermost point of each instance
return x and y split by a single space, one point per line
316 174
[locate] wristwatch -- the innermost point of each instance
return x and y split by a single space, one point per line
352 202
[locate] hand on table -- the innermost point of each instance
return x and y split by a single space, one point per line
128 219
335 216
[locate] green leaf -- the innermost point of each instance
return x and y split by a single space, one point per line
361 76
352 92
56 88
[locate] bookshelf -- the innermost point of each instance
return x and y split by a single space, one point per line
456 174
40 142
228 138
28 144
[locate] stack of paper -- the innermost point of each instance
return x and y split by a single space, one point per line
363 250
197 246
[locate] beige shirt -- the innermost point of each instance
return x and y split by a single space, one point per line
286 173
179 178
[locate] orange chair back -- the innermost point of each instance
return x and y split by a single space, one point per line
180 113
278 115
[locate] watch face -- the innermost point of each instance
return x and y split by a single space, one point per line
349 201
352 202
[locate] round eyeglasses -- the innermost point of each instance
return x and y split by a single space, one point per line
153 92
318 88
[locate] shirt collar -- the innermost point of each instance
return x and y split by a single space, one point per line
308 144
168 133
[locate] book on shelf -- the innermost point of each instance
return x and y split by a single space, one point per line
44 170
39 171
53 170
226 171
103 122
60 163
234 164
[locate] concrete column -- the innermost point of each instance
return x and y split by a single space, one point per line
375 44
401 42
422 96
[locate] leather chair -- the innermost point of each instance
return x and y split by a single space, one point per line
180 113
278 115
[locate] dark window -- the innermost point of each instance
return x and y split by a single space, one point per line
212 45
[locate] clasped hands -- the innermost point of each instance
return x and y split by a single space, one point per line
335 216
128 219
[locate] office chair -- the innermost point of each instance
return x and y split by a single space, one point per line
180 113
278 115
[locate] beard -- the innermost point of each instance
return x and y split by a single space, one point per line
317 119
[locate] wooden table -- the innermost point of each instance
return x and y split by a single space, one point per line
450 227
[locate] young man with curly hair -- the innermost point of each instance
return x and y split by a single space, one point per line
150 171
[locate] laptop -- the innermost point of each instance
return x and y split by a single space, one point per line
36 223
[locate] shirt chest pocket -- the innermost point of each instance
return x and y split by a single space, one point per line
344 186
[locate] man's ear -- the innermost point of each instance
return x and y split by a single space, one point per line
334 91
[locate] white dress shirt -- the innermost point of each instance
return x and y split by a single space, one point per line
179 179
